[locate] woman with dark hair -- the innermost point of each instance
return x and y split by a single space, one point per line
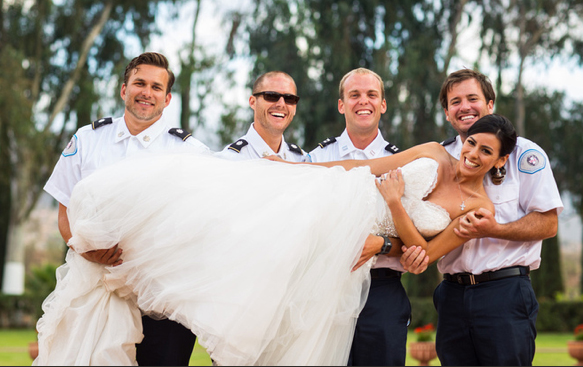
255 257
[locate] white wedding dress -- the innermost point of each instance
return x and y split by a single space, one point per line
255 257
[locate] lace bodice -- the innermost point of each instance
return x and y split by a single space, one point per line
420 178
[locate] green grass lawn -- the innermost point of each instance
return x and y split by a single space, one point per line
551 350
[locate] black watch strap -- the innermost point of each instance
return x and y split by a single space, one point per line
386 246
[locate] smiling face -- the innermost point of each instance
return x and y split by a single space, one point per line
272 118
362 104
466 104
480 153
145 97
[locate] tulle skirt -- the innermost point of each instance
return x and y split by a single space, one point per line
254 257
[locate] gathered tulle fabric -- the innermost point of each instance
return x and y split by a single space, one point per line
255 257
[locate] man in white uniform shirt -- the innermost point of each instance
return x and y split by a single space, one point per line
142 129
381 332
486 305
274 101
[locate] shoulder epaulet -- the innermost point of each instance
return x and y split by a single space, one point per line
236 146
295 148
448 141
101 122
392 148
182 134
327 142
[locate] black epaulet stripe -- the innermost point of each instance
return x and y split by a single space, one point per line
327 142
295 148
182 134
392 148
448 141
236 146
101 122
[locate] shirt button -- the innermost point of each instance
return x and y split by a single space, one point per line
146 138
120 134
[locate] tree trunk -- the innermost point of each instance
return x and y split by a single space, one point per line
454 33
84 52
5 194
185 77
13 279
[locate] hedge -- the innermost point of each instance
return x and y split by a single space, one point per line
553 316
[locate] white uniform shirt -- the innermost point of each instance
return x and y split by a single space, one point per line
91 149
529 186
252 146
343 149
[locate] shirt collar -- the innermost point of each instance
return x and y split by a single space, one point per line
261 147
146 137
373 150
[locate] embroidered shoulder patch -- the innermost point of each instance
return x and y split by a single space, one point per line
531 161
71 148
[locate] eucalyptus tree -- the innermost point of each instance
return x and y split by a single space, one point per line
515 34
61 57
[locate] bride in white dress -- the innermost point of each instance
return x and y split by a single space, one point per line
255 257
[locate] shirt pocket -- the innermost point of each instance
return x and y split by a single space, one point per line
505 199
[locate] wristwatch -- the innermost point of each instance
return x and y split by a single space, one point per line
386 246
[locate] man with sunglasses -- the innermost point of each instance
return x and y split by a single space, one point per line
381 331
274 101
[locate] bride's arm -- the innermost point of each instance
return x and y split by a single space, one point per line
378 166
392 190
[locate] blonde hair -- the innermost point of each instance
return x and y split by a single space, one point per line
360 71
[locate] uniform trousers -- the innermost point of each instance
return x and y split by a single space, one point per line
380 338
165 343
486 324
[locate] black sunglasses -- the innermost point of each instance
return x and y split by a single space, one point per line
274 97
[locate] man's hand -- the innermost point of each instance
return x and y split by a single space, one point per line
110 256
372 246
476 224
414 259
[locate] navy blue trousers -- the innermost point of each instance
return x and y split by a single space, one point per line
381 331
165 343
486 324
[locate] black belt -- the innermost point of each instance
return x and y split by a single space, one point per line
384 273
468 278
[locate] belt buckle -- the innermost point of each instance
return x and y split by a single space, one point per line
470 276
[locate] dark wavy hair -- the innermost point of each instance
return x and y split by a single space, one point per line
499 126
154 59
